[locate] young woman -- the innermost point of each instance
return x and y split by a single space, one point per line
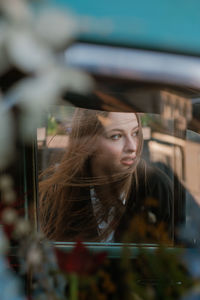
101 184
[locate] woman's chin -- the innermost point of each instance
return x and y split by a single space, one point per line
124 168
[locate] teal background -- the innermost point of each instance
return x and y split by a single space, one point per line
168 25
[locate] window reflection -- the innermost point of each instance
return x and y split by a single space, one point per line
106 177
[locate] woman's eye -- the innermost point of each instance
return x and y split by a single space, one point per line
135 134
115 136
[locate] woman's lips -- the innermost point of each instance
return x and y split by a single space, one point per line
128 161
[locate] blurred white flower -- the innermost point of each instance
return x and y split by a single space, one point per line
16 11
77 81
7 192
34 256
6 182
35 94
30 42
9 216
56 27
8 196
22 228
26 51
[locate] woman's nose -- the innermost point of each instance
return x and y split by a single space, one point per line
130 145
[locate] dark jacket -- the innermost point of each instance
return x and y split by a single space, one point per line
149 212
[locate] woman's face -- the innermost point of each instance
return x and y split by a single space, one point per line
117 146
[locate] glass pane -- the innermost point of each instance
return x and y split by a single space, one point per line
110 177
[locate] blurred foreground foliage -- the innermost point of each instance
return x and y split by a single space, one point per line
149 274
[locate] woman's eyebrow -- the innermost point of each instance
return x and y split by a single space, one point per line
122 130
115 129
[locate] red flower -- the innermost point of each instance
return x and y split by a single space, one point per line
80 260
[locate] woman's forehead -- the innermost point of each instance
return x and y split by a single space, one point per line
121 119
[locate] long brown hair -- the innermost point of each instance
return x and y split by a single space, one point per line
65 208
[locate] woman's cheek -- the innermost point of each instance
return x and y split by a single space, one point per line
114 149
